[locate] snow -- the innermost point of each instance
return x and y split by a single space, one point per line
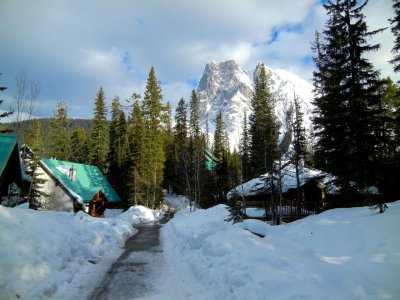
59 255
259 184
351 253
226 87
339 254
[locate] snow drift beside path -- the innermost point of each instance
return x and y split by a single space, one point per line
339 254
175 202
57 255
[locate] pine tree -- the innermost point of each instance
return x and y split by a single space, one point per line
3 114
37 197
80 145
346 96
118 152
136 132
59 135
35 137
263 128
245 150
220 138
388 141
395 27
98 136
299 147
154 156
221 153
194 166
170 153
181 142
235 178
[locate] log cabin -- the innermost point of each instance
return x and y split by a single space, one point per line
262 194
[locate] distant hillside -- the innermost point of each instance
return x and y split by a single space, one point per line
86 124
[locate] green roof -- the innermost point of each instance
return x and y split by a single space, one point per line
7 145
89 180
210 160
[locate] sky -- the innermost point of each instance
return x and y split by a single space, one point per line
72 47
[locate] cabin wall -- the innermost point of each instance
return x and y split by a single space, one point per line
58 199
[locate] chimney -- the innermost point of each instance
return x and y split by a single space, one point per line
72 173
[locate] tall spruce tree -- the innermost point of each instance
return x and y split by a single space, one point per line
3 114
221 152
388 141
395 27
181 147
58 138
118 152
196 150
37 197
136 132
346 95
245 150
98 136
263 127
299 146
170 152
154 156
80 145
35 137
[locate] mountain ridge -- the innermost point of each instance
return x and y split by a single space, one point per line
227 87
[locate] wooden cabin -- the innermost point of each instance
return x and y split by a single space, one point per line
261 195
73 187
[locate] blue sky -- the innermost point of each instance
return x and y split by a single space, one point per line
72 47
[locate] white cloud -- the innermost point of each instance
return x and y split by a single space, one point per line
72 47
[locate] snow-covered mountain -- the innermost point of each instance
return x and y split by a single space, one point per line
227 87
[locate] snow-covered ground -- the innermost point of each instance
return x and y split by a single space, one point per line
351 253
57 255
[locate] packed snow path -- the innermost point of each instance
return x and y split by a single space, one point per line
133 275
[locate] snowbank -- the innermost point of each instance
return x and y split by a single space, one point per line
57 255
175 202
340 254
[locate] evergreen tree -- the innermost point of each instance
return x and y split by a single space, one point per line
35 137
263 128
194 122
245 150
118 152
207 133
395 27
136 132
299 147
181 148
153 112
37 197
170 172
80 145
234 170
346 96
3 114
59 135
98 136
221 153
195 166
220 138
388 141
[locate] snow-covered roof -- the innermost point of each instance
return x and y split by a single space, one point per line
260 184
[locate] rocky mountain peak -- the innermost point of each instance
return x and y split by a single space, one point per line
228 88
